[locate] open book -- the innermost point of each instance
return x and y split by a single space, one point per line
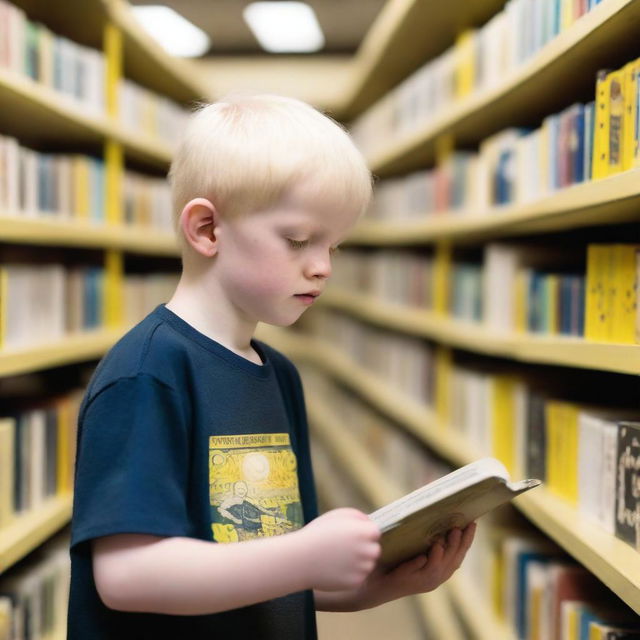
410 524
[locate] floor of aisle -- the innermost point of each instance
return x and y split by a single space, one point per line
391 621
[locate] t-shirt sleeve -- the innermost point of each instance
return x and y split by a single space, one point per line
132 463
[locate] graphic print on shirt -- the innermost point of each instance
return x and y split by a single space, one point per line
253 486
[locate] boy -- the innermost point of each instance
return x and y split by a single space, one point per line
193 434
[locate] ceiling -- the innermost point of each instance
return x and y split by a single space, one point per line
344 23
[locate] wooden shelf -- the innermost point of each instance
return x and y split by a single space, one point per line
524 97
41 231
30 530
615 563
80 348
48 117
613 200
384 59
556 350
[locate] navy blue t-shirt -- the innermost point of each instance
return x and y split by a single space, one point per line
179 436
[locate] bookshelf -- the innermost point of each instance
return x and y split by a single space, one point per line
602 202
524 94
52 121
384 57
570 352
615 563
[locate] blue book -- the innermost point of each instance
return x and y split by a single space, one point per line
577 145
524 559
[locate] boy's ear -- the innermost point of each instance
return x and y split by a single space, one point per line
199 220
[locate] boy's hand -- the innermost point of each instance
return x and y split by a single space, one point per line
342 549
423 573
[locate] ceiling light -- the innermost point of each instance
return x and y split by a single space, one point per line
284 27
173 32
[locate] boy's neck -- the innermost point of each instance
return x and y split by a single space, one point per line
211 315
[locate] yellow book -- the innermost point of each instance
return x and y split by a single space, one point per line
616 120
442 278
570 441
629 138
624 293
114 181
521 300
566 15
113 289
503 405
64 462
465 63
80 171
595 297
553 420
562 449
444 373
7 462
600 159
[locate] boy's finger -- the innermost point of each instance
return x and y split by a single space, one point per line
465 543
454 539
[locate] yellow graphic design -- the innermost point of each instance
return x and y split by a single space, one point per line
253 486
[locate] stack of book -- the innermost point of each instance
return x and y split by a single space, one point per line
37 454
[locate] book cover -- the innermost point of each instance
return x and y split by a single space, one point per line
601 127
616 117
410 525
627 482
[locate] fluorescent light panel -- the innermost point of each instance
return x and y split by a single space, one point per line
284 27
173 32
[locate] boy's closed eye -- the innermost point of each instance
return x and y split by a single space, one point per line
297 244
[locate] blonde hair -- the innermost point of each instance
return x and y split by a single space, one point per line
244 153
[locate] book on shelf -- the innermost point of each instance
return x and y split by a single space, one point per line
410 524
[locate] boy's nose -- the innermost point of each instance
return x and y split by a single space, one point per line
319 268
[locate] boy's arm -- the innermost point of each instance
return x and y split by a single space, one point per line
419 575
184 576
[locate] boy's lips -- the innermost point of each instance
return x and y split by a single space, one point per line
309 297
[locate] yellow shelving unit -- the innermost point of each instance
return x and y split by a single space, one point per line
615 563
563 351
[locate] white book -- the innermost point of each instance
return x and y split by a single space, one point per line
37 424
409 525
